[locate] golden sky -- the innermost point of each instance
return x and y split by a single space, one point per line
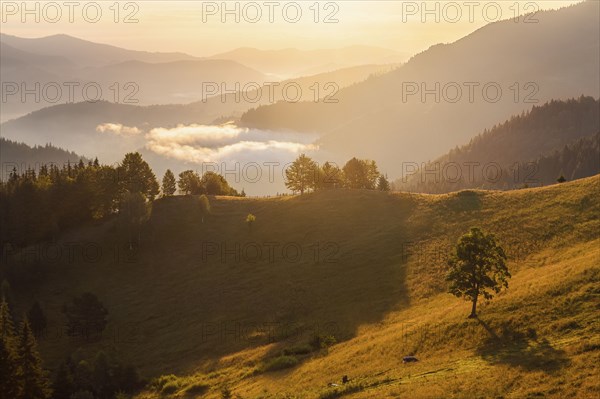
197 27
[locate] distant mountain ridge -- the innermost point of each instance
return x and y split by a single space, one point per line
290 62
183 78
556 58
123 76
531 149
20 156
74 125
86 53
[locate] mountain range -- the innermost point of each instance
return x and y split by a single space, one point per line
395 114
62 58
531 149
448 93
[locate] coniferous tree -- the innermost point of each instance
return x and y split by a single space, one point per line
7 327
102 376
37 319
83 376
32 377
135 176
85 315
383 184
63 385
5 290
169 185
10 387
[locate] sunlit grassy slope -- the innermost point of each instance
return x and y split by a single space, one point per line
370 272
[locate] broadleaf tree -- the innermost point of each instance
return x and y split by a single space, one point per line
477 268
302 174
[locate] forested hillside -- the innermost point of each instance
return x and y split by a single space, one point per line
531 149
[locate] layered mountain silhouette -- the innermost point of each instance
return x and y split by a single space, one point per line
499 70
291 62
74 126
531 63
122 76
85 53
531 149
20 157
146 78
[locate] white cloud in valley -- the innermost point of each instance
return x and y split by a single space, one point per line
118 129
216 143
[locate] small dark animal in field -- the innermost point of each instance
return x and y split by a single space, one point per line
409 359
345 379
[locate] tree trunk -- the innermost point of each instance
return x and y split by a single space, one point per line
473 314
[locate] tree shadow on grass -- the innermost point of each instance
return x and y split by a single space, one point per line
464 201
507 345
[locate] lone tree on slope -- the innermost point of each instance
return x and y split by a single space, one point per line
478 268
250 219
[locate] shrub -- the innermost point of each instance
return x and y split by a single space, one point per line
197 388
343 390
280 363
171 387
226 393
587 346
301 349
159 383
320 341
567 325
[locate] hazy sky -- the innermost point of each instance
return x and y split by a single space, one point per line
196 27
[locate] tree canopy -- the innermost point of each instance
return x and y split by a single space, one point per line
361 173
477 268
135 176
169 185
304 175
86 316
301 175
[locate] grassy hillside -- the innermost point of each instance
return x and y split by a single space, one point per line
375 283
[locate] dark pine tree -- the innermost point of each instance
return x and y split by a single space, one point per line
32 377
63 384
7 327
9 388
37 319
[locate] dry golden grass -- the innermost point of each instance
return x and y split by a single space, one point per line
383 291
